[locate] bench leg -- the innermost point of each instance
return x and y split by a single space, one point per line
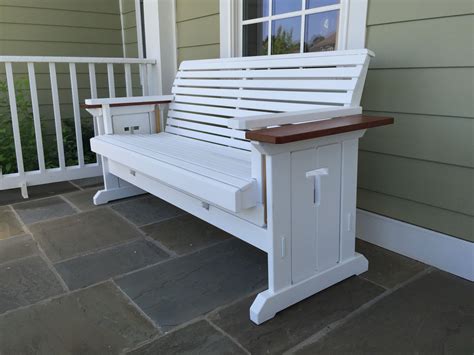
114 187
269 302
310 225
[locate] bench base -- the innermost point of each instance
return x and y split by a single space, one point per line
268 304
104 196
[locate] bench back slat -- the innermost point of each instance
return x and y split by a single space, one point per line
208 92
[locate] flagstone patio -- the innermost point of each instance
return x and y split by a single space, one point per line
141 276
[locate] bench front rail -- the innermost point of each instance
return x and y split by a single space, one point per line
263 148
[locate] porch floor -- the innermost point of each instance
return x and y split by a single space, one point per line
141 276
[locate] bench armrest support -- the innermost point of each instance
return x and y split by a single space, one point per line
310 130
128 101
259 121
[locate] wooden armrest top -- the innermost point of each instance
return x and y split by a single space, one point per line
129 104
316 129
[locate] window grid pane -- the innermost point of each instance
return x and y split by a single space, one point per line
272 27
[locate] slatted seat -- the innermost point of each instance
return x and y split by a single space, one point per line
201 169
264 148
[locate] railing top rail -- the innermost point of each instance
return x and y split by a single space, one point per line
95 60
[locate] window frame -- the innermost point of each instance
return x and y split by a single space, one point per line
351 29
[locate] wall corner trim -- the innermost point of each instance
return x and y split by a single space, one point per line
442 251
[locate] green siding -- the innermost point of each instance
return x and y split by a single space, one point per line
60 28
129 23
197 29
420 170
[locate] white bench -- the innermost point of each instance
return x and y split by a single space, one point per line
288 190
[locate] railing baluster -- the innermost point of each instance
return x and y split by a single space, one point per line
111 79
77 113
57 115
93 87
144 70
14 116
128 80
36 116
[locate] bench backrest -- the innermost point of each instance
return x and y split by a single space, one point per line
208 92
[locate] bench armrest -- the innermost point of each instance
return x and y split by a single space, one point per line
310 130
275 119
128 101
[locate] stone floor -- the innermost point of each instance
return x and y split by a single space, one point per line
141 276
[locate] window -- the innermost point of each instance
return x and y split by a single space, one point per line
294 26
265 27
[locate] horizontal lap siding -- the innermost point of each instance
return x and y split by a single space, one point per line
129 29
420 170
197 29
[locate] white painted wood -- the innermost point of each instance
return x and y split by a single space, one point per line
250 122
57 115
36 116
268 303
323 98
111 79
36 177
128 80
442 251
97 60
77 113
14 116
128 100
153 76
275 197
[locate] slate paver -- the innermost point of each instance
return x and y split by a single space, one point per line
147 210
181 289
196 338
432 315
17 247
96 320
82 199
9 223
71 236
387 268
185 233
39 210
297 323
26 281
89 269
97 181
34 192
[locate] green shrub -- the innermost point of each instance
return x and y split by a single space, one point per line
27 133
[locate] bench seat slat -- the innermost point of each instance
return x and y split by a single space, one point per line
217 187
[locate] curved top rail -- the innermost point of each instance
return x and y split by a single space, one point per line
54 59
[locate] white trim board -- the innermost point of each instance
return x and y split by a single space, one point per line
447 253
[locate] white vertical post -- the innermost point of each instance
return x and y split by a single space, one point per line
36 116
57 115
153 49
14 116
93 88
77 113
111 79
128 80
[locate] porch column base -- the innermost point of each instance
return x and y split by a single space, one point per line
268 303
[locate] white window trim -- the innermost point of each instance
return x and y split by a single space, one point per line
351 35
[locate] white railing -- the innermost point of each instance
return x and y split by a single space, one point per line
45 171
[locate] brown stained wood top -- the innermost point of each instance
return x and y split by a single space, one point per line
129 104
298 132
